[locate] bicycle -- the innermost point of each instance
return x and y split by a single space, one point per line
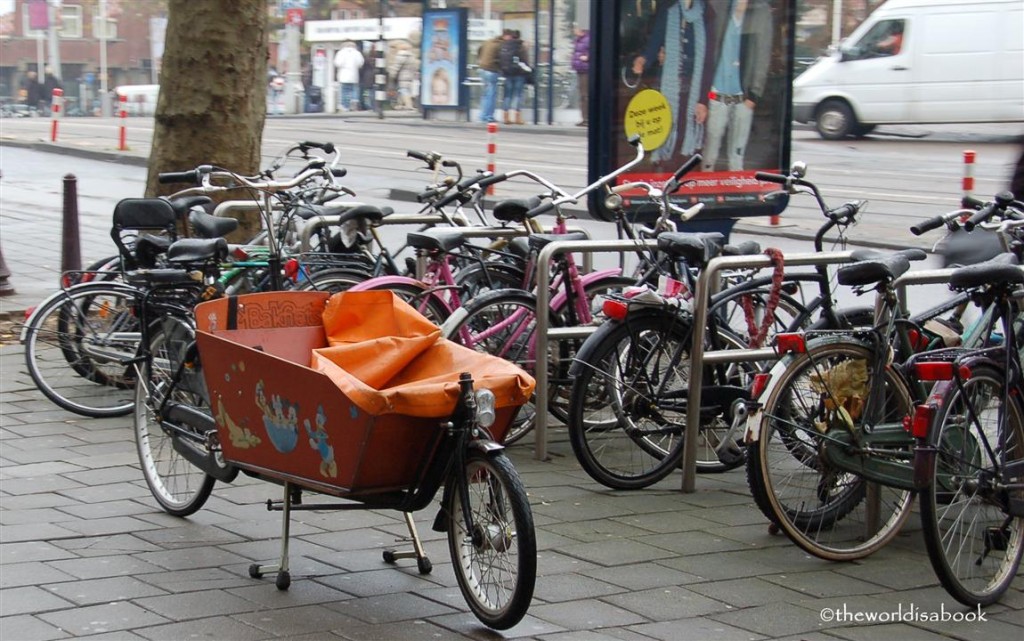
829 455
630 378
969 447
503 322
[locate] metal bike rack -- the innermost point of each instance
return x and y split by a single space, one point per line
708 284
545 335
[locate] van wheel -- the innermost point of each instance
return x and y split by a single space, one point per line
835 120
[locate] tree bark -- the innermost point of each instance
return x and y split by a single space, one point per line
212 102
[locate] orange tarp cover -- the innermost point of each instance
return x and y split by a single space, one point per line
388 359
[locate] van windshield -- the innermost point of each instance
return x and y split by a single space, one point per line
882 40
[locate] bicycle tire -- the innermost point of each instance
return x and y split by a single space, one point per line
495 560
178 486
333 280
620 436
821 508
963 517
477 278
77 348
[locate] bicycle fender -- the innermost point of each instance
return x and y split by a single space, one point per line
486 446
583 355
453 321
558 300
383 282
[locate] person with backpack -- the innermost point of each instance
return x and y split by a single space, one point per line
514 65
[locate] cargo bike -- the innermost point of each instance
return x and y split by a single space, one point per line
354 396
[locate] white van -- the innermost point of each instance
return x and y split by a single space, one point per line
919 61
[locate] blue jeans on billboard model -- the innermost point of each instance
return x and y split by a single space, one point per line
489 94
349 94
514 87
729 123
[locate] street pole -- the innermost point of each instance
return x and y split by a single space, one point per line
293 75
104 98
52 11
380 77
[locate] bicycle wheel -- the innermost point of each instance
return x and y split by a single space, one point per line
77 348
832 513
477 278
492 540
628 409
502 323
178 486
974 544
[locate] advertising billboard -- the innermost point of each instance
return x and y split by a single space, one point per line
694 76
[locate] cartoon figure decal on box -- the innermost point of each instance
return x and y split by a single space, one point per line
280 418
318 441
241 437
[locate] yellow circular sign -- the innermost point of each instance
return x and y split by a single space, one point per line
649 115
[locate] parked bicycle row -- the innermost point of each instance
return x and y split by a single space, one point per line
837 431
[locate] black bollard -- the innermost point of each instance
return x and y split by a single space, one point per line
6 289
71 246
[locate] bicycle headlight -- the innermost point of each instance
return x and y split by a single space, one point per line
485 413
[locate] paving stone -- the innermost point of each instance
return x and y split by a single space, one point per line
641 576
34 532
303 591
29 600
196 605
105 566
200 556
23 517
29 627
377 582
107 527
31 551
605 634
35 470
572 587
90 546
670 602
774 620
106 509
825 584
469 627
106 475
34 573
900 631
188 535
586 614
201 579
617 552
695 628
92 592
691 543
405 630
110 617
665 522
107 492
746 592
597 530
390 608
40 484
297 621
220 628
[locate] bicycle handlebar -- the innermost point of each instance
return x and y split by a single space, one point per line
928 225
459 190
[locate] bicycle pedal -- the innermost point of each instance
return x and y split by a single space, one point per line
440 522
731 455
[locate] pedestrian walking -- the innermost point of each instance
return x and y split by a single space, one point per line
348 62
581 65
489 72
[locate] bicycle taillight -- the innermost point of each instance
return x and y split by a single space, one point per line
614 309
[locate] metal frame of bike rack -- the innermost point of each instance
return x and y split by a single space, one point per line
545 335
708 284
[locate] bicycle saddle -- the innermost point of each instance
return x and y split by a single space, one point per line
885 268
343 211
746 248
1001 270
444 240
912 254
696 248
182 206
208 226
538 242
197 250
148 247
514 210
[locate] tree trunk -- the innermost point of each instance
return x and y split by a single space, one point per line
212 102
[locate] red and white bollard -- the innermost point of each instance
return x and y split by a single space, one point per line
122 135
492 149
968 180
55 108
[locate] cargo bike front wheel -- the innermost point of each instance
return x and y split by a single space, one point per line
491 539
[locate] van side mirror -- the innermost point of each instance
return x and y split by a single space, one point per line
850 53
